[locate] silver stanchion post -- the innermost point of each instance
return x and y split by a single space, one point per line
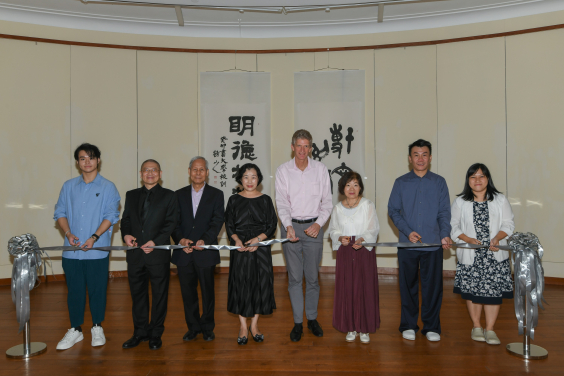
525 349
28 348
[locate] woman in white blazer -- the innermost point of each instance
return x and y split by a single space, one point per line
482 215
353 222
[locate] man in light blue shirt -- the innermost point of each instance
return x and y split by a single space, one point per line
86 211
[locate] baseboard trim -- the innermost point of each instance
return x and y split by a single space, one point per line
277 269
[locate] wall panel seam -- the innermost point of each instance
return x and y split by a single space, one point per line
137 104
506 128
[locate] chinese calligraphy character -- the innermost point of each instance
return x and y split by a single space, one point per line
234 170
336 137
341 170
320 154
247 150
349 139
215 165
248 124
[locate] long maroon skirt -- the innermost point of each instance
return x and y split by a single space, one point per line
356 305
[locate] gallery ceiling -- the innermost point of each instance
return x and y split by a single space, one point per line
265 18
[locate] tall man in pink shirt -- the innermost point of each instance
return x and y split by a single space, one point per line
304 202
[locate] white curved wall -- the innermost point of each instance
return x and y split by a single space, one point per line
498 101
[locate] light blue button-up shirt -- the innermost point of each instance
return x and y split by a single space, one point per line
85 206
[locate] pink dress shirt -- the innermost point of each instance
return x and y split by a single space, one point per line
303 194
196 197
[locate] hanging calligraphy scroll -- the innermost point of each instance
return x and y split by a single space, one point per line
235 126
330 105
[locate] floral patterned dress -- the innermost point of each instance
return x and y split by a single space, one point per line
486 281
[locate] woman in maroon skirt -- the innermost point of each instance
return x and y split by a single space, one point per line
353 222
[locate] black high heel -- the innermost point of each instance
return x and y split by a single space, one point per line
256 337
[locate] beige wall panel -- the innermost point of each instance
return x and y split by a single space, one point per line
471 113
34 142
104 113
535 132
225 62
321 60
405 110
282 68
168 113
246 62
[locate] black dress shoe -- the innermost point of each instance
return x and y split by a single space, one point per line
208 335
256 337
297 333
315 328
242 340
134 342
191 335
155 343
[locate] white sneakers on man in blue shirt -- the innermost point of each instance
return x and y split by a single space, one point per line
410 335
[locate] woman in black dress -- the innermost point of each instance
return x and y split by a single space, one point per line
250 218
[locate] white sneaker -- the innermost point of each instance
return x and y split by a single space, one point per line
350 336
71 337
433 337
98 338
364 338
409 334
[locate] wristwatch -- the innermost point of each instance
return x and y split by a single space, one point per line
95 237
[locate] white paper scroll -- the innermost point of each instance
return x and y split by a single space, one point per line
235 126
331 106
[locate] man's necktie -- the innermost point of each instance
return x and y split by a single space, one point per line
146 207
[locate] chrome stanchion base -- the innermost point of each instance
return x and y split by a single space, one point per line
17 352
535 352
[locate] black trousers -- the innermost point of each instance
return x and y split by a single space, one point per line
189 276
139 276
430 265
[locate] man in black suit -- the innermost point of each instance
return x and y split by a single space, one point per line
201 218
149 218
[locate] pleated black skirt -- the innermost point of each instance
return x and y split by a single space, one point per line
251 283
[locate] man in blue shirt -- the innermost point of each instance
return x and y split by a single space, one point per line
86 211
419 206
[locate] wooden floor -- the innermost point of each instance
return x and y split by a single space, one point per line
388 353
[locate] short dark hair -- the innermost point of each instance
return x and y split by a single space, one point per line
244 168
421 144
348 177
91 150
491 191
150 160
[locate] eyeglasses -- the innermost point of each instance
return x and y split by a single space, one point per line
147 170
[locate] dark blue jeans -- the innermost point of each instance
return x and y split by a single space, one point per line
82 275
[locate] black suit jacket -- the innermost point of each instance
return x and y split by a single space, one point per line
161 221
206 226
